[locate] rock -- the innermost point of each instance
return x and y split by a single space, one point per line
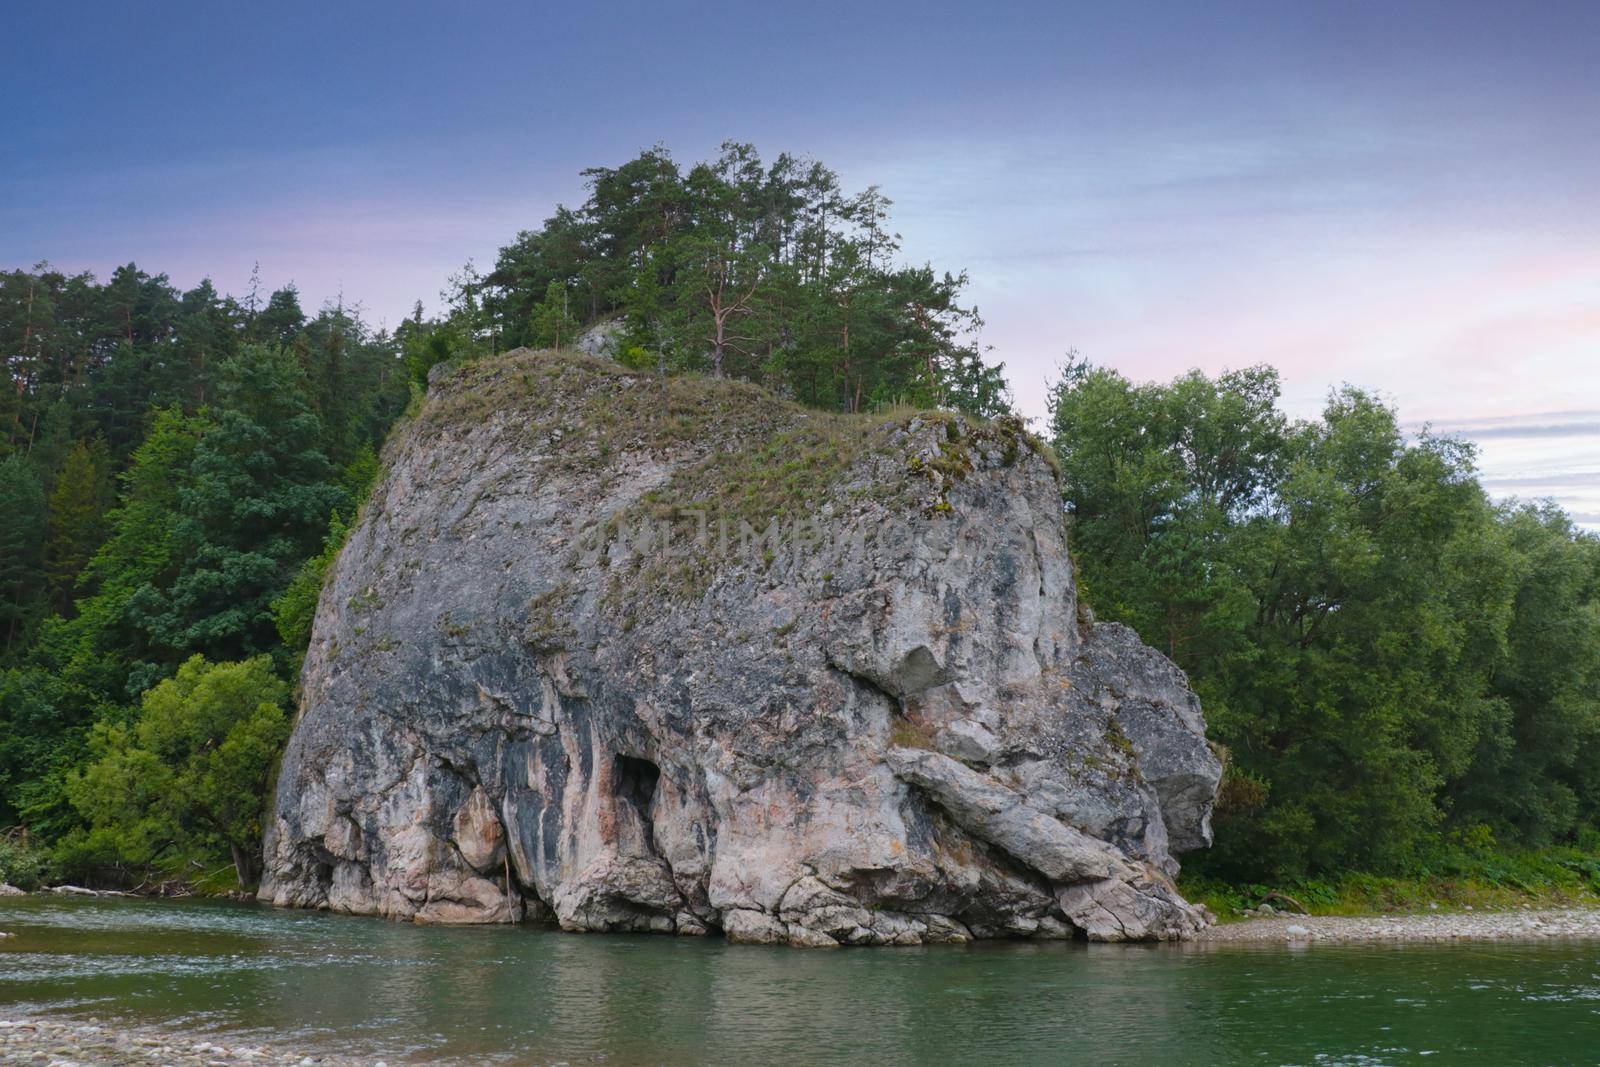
10 891
1295 930
805 937
749 927
603 339
564 667
477 832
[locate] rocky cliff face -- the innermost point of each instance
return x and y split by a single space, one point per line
569 665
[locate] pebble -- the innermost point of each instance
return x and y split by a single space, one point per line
70 1044
1425 926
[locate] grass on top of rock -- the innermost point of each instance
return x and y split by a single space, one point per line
763 456
587 410
747 457
740 485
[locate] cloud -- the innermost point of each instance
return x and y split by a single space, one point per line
1553 481
1539 424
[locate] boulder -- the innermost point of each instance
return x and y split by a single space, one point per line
603 339
695 659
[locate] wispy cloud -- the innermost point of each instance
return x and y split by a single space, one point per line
1542 424
1554 429
1565 480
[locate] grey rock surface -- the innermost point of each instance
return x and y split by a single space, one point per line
706 661
604 338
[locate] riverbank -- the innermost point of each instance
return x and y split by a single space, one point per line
1523 923
63 1043
1558 878
1519 925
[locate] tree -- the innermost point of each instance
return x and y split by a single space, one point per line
107 385
469 315
741 268
192 770
1529 780
281 320
551 323
1347 603
22 528
255 507
718 290
76 519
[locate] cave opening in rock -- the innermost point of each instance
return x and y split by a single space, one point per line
636 781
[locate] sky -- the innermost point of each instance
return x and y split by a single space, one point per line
1400 195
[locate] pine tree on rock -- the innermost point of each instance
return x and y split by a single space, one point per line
552 324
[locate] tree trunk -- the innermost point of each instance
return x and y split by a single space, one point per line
661 369
242 867
716 347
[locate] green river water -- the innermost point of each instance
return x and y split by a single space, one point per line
529 995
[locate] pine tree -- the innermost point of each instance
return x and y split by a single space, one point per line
257 505
22 527
552 325
77 509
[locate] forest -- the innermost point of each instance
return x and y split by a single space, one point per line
1399 669
1405 676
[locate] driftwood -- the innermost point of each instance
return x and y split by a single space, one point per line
1276 897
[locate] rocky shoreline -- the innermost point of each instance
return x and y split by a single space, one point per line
1440 926
71 1043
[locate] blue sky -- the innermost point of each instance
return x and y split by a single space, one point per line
1402 195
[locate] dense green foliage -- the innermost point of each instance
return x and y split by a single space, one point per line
768 272
1390 661
1458 875
168 463
190 772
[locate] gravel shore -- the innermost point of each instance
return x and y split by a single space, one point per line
1424 927
61 1043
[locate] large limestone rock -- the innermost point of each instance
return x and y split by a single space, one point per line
557 672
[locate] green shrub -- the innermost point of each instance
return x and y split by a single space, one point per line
21 864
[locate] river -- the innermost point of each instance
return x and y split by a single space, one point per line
530 995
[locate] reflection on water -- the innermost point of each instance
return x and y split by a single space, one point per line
522 994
